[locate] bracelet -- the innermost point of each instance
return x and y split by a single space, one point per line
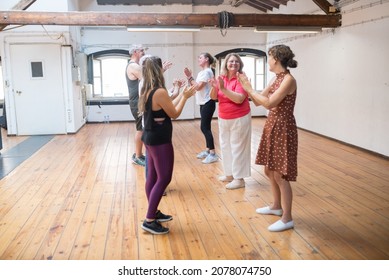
190 79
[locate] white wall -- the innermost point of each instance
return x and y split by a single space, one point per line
343 77
61 35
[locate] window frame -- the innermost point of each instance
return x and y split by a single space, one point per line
99 56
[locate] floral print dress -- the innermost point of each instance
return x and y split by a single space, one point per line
278 147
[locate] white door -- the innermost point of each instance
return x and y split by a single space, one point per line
37 88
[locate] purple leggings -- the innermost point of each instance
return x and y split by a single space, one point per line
160 160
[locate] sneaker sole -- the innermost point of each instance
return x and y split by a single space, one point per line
210 161
154 232
134 162
164 220
235 188
225 179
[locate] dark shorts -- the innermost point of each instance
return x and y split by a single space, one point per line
138 120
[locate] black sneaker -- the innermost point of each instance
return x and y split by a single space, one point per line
154 227
161 217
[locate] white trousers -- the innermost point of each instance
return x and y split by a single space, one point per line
235 146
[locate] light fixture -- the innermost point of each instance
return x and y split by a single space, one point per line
156 28
288 29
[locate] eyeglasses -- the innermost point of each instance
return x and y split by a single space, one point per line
233 61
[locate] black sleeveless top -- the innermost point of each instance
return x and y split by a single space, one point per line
156 133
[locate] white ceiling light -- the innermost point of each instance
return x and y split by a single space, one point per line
174 28
288 29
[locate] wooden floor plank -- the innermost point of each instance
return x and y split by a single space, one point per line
80 197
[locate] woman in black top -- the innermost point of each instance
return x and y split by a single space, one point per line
158 109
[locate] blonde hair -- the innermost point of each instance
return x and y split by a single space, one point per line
152 73
224 70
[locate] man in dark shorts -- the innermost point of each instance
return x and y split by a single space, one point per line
133 75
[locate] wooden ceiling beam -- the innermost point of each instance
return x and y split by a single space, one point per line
163 19
21 5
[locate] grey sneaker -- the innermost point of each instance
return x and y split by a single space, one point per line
139 160
203 154
210 158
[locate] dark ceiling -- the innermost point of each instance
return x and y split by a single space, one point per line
260 5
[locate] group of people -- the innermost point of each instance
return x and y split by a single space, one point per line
153 107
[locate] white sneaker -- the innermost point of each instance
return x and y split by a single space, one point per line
236 184
225 178
210 158
267 211
281 226
203 154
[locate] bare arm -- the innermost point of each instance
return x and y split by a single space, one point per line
162 100
191 80
213 93
175 90
288 86
199 85
232 95
134 71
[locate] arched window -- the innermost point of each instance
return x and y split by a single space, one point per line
106 72
254 65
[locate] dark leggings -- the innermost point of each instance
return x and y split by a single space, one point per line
160 159
206 113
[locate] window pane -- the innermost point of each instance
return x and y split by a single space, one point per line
260 67
260 82
96 68
248 67
37 69
109 77
113 76
97 87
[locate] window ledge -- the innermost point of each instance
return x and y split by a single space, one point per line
97 102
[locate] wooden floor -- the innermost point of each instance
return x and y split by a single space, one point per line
80 197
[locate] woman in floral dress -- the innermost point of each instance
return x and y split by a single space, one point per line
278 147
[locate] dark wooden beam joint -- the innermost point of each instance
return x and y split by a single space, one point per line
326 6
164 19
23 4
